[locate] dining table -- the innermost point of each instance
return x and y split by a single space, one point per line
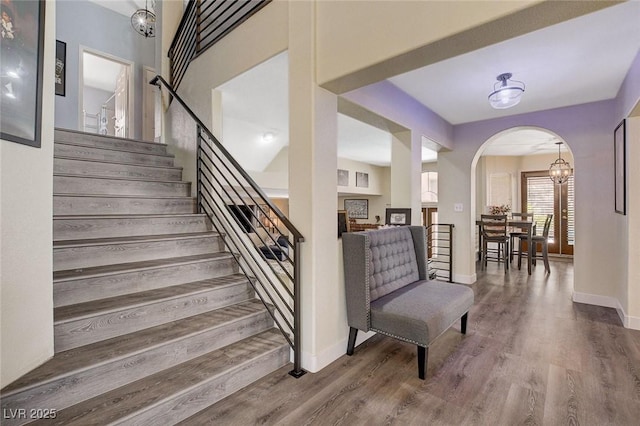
526 226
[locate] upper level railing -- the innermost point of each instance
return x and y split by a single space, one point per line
440 251
205 22
261 237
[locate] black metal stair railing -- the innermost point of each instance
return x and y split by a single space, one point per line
203 23
440 251
261 237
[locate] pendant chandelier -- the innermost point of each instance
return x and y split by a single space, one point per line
506 93
144 22
560 171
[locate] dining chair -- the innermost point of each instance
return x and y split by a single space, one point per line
494 230
519 234
543 240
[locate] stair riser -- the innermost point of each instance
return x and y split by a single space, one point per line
108 142
111 254
70 205
104 186
69 292
99 154
80 386
96 168
179 407
82 228
75 333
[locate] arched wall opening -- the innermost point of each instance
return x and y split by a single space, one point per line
516 151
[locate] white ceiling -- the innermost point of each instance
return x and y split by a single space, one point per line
578 61
100 73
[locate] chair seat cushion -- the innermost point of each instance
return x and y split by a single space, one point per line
421 311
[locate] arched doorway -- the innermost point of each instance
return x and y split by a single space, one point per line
511 168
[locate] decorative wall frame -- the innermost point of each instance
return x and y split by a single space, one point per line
398 217
61 70
620 167
362 180
357 209
22 62
343 177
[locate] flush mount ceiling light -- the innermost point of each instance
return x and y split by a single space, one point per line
268 136
560 171
506 93
144 22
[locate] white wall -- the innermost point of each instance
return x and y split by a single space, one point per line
26 221
378 193
84 23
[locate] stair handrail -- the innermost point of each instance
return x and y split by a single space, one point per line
252 262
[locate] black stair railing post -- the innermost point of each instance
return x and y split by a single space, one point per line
199 169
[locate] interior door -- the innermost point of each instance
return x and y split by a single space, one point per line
122 101
149 93
542 196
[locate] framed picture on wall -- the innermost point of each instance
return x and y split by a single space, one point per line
22 62
343 177
357 209
61 61
620 168
362 180
398 217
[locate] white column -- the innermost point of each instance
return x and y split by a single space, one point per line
406 171
313 191
633 212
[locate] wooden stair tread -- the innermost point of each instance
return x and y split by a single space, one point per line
122 163
126 216
75 175
135 266
116 149
108 137
128 301
84 357
132 239
150 197
160 387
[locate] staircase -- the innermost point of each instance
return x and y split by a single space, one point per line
152 321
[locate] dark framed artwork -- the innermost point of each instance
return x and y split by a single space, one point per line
22 62
343 177
620 167
357 209
343 222
362 180
398 217
61 71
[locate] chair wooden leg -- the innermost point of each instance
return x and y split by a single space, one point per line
520 254
506 255
463 323
353 333
423 354
545 257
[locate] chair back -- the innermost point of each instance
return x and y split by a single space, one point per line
547 226
522 216
493 226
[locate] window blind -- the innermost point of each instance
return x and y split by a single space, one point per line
540 201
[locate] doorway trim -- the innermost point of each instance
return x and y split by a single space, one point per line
130 102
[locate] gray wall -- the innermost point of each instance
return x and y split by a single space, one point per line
87 24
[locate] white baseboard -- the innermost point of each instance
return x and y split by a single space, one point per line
608 302
315 363
465 279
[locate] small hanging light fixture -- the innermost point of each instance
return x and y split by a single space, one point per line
560 171
144 22
506 93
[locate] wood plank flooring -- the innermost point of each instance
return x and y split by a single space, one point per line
531 356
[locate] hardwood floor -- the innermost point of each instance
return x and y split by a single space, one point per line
531 356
